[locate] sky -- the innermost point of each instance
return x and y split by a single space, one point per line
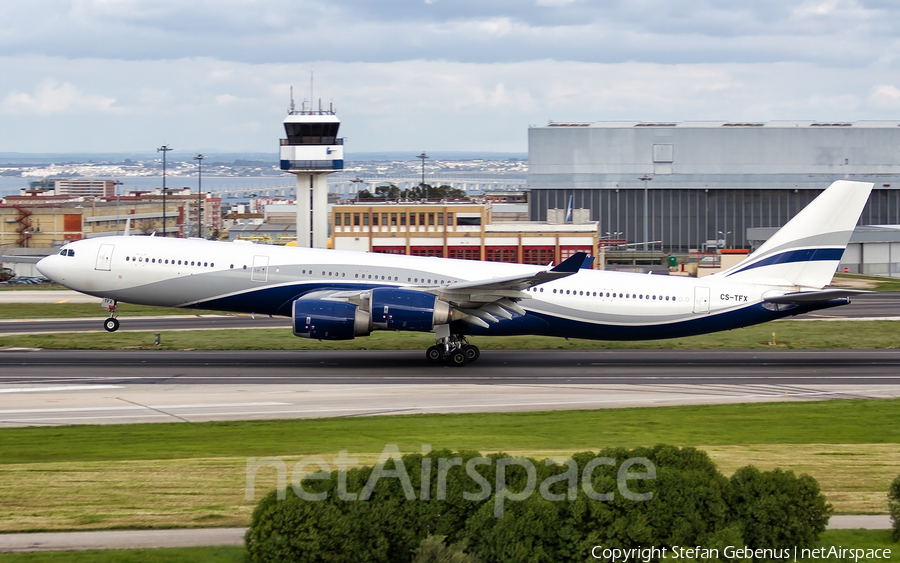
439 75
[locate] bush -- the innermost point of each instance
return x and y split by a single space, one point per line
894 504
691 503
776 509
386 528
434 550
688 507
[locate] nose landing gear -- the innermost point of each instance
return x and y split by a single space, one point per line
112 323
454 350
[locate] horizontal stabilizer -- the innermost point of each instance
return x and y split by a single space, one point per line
571 264
813 296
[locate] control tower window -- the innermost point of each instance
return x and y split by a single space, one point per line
311 133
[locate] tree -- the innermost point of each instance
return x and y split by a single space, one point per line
777 509
388 192
894 504
434 550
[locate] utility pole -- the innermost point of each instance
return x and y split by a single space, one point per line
117 184
199 158
357 181
646 179
423 156
164 149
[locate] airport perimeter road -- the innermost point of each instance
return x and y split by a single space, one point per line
87 387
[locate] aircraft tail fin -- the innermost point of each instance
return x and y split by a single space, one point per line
807 250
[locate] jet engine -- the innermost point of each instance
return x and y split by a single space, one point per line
402 309
382 308
329 320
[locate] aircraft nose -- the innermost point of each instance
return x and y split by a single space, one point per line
49 268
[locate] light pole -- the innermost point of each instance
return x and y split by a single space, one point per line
117 183
164 149
646 179
199 158
725 238
423 156
357 181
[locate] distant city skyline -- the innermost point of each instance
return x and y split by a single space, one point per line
93 76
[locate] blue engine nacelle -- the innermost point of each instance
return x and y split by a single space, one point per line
402 309
329 320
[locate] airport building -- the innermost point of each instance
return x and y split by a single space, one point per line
465 230
43 219
703 185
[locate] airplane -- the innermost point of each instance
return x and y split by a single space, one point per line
341 295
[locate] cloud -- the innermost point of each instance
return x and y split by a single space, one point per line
50 97
835 32
885 96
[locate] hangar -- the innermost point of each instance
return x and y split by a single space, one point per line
701 185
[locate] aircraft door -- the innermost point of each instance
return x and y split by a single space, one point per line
701 300
104 257
260 272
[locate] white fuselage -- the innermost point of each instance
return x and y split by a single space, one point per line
264 279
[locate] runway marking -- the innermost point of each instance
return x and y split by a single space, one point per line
66 388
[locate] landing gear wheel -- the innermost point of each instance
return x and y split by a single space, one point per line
434 354
457 358
472 352
111 324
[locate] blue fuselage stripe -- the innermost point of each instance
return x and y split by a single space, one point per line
802 255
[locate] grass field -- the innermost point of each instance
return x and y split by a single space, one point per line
857 539
65 310
788 334
180 555
193 475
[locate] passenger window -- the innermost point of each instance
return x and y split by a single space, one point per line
127 258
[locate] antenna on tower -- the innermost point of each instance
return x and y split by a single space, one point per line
311 89
292 109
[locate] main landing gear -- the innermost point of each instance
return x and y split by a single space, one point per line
454 350
112 323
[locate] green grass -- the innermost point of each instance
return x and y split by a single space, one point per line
171 555
183 475
31 287
788 334
72 310
858 539
880 284
832 422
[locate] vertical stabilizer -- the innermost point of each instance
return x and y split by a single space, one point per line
806 252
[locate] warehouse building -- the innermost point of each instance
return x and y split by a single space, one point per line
702 185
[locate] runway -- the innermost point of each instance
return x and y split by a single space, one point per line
87 387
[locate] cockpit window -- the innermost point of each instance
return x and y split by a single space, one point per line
71 252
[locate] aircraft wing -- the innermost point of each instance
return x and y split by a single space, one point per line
479 302
813 296
512 284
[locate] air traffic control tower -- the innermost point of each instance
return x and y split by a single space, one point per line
311 151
